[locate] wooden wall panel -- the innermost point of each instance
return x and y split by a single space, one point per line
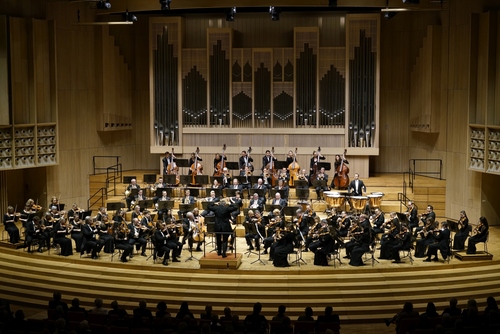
4 66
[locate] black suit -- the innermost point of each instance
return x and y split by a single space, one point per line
34 232
442 242
222 224
356 190
136 237
256 204
161 244
266 160
90 243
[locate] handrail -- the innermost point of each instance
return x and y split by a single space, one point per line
425 173
403 199
95 157
103 192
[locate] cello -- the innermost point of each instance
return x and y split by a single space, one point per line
341 179
196 167
294 169
221 164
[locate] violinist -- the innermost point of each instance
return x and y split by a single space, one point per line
137 212
256 203
251 225
244 161
343 224
47 227
426 237
285 242
161 243
378 220
173 240
412 214
76 232
362 246
389 239
463 232
266 159
276 222
63 228
313 233
301 223
105 232
100 213
90 242
354 234
441 243
34 232
195 158
283 187
28 212
429 215
9 221
356 187
130 196
56 215
74 211
482 231
404 243
167 160
137 236
212 198
147 222
323 243
321 176
120 234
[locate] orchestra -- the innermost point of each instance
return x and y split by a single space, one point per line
266 225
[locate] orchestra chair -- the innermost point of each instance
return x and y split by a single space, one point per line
34 244
407 253
485 242
450 252
304 327
371 253
323 326
335 257
116 251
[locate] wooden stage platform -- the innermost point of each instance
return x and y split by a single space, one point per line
214 261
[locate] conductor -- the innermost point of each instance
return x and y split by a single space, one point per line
222 225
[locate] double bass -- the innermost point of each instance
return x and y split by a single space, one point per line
315 170
247 160
272 170
196 167
293 169
221 164
173 169
341 179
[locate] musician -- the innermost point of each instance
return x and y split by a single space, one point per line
364 221
164 197
147 221
130 195
285 242
226 178
167 160
279 201
313 232
463 232
9 221
56 215
119 217
212 198
251 224
266 159
101 212
90 242
336 164
161 243
309 214
244 161
301 223
216 185
194 157
404 243
343 224
159 184
189 226
137 212
354 235
27 213
105 232
276 222
74 211
356 187
34 232
173 241
236 201
322 244
121 233
303 176
236 185
140 197
218 158
482 231
246 184
76 232
378 220
412 214
313 165
54 201
257 203
389 239
320 177
187 199
61 231
426 234
260 184
47 227
362 246
282 185
137 236
429 213
283 175
222 224
441 243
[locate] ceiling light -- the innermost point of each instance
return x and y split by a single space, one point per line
230 14
165 4
103 4
129 17
275 13
411 1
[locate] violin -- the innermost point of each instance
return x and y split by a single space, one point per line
341 179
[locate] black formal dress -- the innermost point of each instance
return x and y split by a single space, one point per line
403 244
461 235
9 222
283 247
441 243
362 246
481 236
60 238
77 235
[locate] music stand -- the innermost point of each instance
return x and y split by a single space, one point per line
243 179
255 178
218 178
302 194
133 192
320 184
403 219
210 223
260 192
182 163
281 191
280 165
232 192
61 207
145 204
194 192
327 165
149 178
186 179
114 206
301 184
272 207
165 205
290 210
169 179
452 224
159 192
84 214
128 179
218 192
201 179
186 207
232 165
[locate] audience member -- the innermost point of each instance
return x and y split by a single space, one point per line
307 316
207 315
453 310
75 306
256 322
56 301
227 315
98 309
161 308
142 311
281 313
183 311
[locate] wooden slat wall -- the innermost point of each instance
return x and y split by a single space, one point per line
4 66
